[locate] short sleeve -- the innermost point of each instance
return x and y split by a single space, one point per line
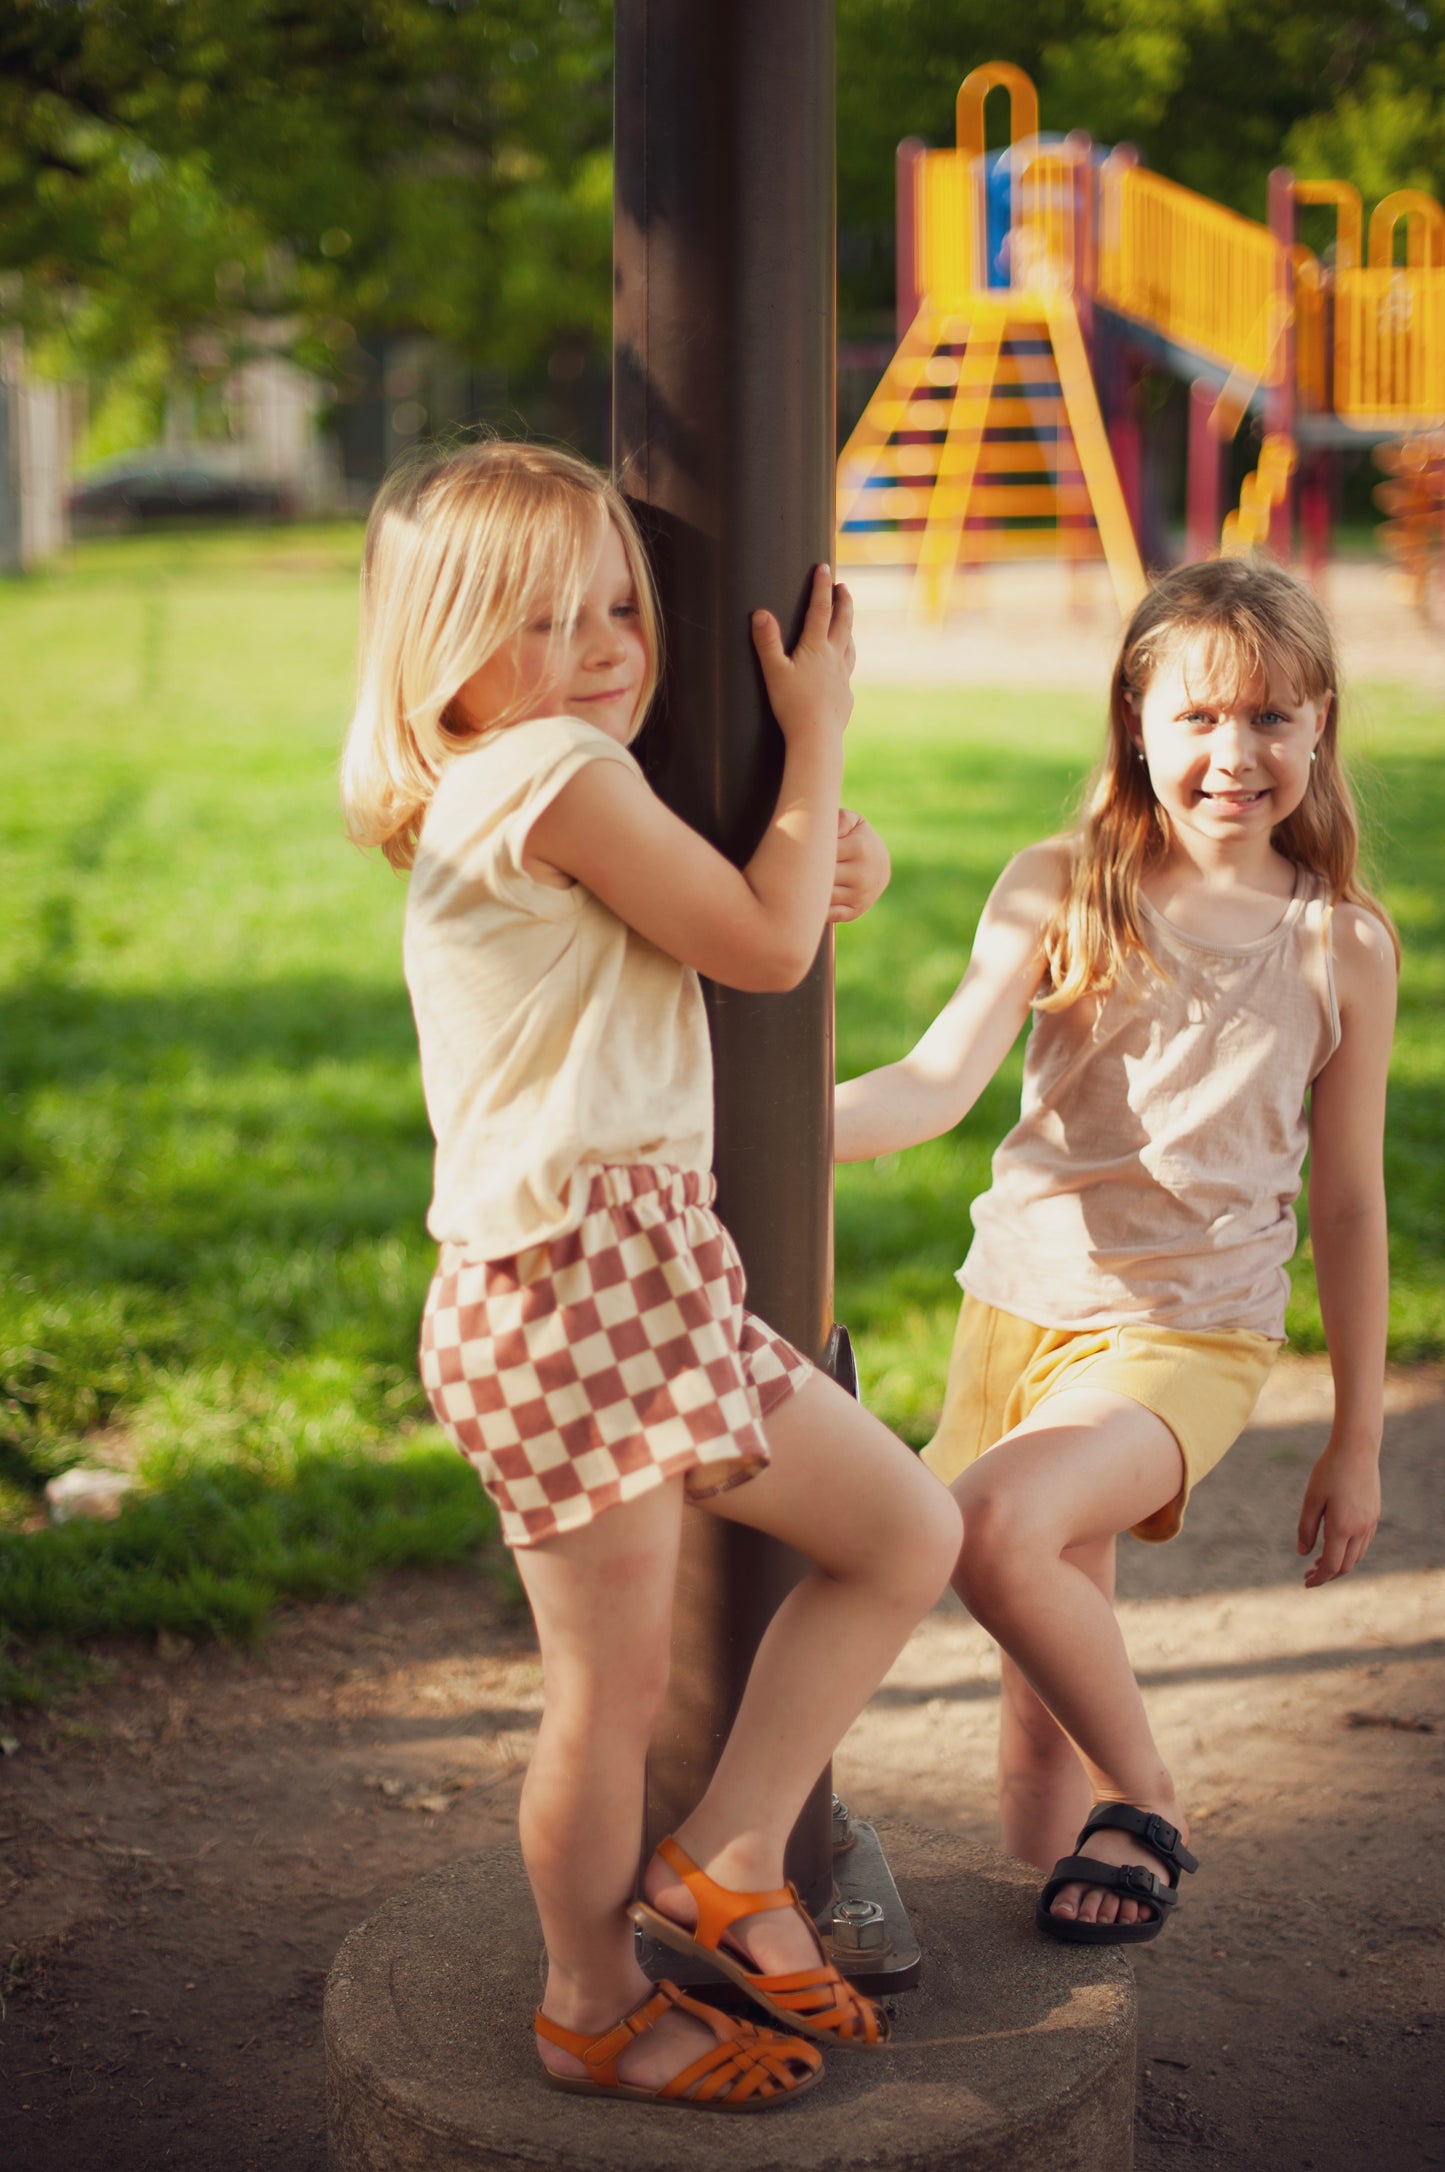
567 748
488 802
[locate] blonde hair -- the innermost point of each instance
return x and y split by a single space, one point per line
1253 619
464 545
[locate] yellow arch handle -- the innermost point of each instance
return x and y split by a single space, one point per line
1023 101
1350 226
1425 233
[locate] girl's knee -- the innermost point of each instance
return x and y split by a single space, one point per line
622 1699
918 1550
1003 1536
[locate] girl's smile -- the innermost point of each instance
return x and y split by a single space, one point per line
594 667
1225 759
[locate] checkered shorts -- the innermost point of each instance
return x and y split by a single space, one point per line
581 1373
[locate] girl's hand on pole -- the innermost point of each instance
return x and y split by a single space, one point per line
1342 1500
862 868
809 691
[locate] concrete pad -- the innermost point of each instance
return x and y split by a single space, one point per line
1014 2053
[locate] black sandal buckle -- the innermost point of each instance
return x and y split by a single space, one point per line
1136 1879
1161 1836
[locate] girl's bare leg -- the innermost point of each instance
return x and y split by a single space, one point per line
883 1535
1039 1510
602 1601
1044 1794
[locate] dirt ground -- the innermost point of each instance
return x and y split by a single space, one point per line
1045 625
185 1845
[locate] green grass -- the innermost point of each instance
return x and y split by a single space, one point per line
212 1141
214 1159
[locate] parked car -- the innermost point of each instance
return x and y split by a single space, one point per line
155 486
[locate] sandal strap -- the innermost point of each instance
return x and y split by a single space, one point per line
825 2000
719 1907
744 2062
1158 1835
1131 1880
818 1996
739 2069
600 2053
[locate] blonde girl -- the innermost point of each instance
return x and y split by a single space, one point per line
585 1341
1212 990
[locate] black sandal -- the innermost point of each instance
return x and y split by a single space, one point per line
1131 1880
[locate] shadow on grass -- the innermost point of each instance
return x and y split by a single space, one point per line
57 1030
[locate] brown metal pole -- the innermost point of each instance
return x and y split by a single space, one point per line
724 440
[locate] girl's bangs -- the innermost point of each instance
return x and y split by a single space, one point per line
1235 660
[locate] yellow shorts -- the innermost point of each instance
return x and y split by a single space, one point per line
1203 1386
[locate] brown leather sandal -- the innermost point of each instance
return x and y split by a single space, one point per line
816 2002
747 2070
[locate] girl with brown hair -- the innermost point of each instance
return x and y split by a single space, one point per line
1212 993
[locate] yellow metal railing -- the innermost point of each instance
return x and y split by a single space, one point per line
948 216
1046 228
1390 344
1202 275
973 94
1424 223
1390 318
1344 197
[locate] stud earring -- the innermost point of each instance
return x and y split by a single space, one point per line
1314 753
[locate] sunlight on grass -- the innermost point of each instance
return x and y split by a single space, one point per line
214 1152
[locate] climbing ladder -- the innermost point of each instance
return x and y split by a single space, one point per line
984 441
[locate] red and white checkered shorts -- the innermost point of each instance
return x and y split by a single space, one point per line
578 1374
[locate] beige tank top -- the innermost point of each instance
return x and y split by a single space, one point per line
1154 1168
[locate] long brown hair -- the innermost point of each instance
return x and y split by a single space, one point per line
1255 619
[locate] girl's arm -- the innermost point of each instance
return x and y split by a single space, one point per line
937 1083
756 927
1347 1237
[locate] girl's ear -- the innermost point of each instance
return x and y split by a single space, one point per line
1323 708
1133 724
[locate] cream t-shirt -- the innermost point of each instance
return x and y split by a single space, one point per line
554 1038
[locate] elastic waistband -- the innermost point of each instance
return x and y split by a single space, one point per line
617 1185
621 1182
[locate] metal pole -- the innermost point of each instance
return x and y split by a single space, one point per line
908 205
723 437
1205 473
1279 400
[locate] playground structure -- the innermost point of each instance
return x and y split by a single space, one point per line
1035 287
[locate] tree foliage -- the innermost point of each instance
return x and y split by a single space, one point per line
438 165
173 169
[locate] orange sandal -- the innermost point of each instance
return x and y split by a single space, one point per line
747 2070
816 2002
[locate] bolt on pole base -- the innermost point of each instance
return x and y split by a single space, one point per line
870 1939
864 1927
